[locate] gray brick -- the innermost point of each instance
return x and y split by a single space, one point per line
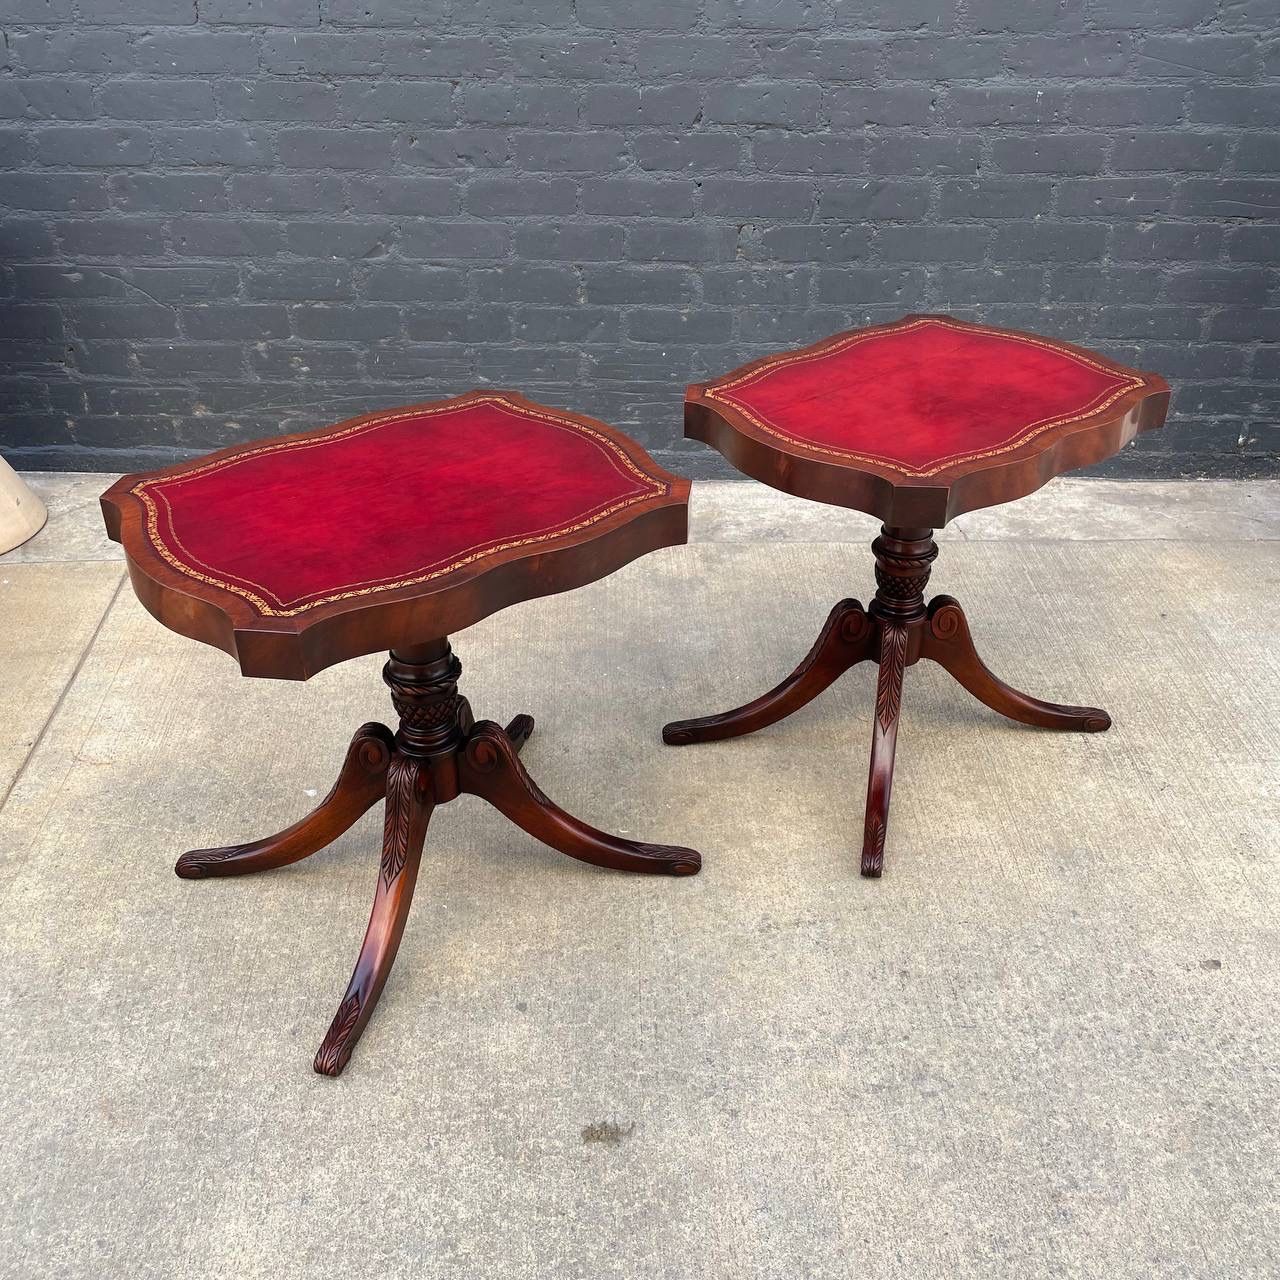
896 15
285 193
828 61
411 282
1166 241
277 100
814 244
419 101
654 15
54 191
184 283
872 201
22 239
667 324
1255 243
299 282
799 15
158 99
390 13
756 286
442 241
22 98
304 362
1191 57
66 281
181 359
249 321
96 52
207 146
160 192
121 320
1233 286
645 197
227 237
893 105
570 242
569 58
1256 153
1127 104
109 237
647 104
336 148
777 328
1019 104
455 148
1229 198
459 324
567 324
1235 105
937 243
757 197
552 371
169 13
1060 17
681 242
660 57
969 286
196 52
997 198
548 105
686 153
1050 153
30 320
794 106
856 286
323 53
483 57
522 282
1081 56
1097 285
452 364
924 155
570 152
1122 197
1147 322
928 58
1048 242
90 147
1143 15
1169 149
345 322
346 239
489 197
809 153
421 196
15 148
634 286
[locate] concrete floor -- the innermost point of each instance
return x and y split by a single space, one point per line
1047 1043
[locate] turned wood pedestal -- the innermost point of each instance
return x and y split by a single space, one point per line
915 422
388 532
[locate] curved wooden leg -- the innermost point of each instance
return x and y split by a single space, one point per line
490 768
360 785
847 638
947 641
884 741
409 806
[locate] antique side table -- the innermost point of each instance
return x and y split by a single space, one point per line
914 422
388 532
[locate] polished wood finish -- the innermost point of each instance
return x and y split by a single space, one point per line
295 647
438 752
896 631
903 500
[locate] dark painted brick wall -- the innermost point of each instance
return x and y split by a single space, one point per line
225 218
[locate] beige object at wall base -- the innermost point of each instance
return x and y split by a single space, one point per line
22 514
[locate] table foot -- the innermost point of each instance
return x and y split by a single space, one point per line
360 785
490 768
847 638
520 730
409 806
947 641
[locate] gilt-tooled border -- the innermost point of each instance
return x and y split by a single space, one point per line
652 485
716 391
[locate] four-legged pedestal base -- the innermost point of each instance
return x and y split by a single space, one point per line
439 753
896 631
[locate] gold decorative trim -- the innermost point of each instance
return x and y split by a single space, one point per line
717 392
478 552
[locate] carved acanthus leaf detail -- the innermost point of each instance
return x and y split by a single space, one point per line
893 665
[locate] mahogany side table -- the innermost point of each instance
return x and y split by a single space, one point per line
388 532
914 422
